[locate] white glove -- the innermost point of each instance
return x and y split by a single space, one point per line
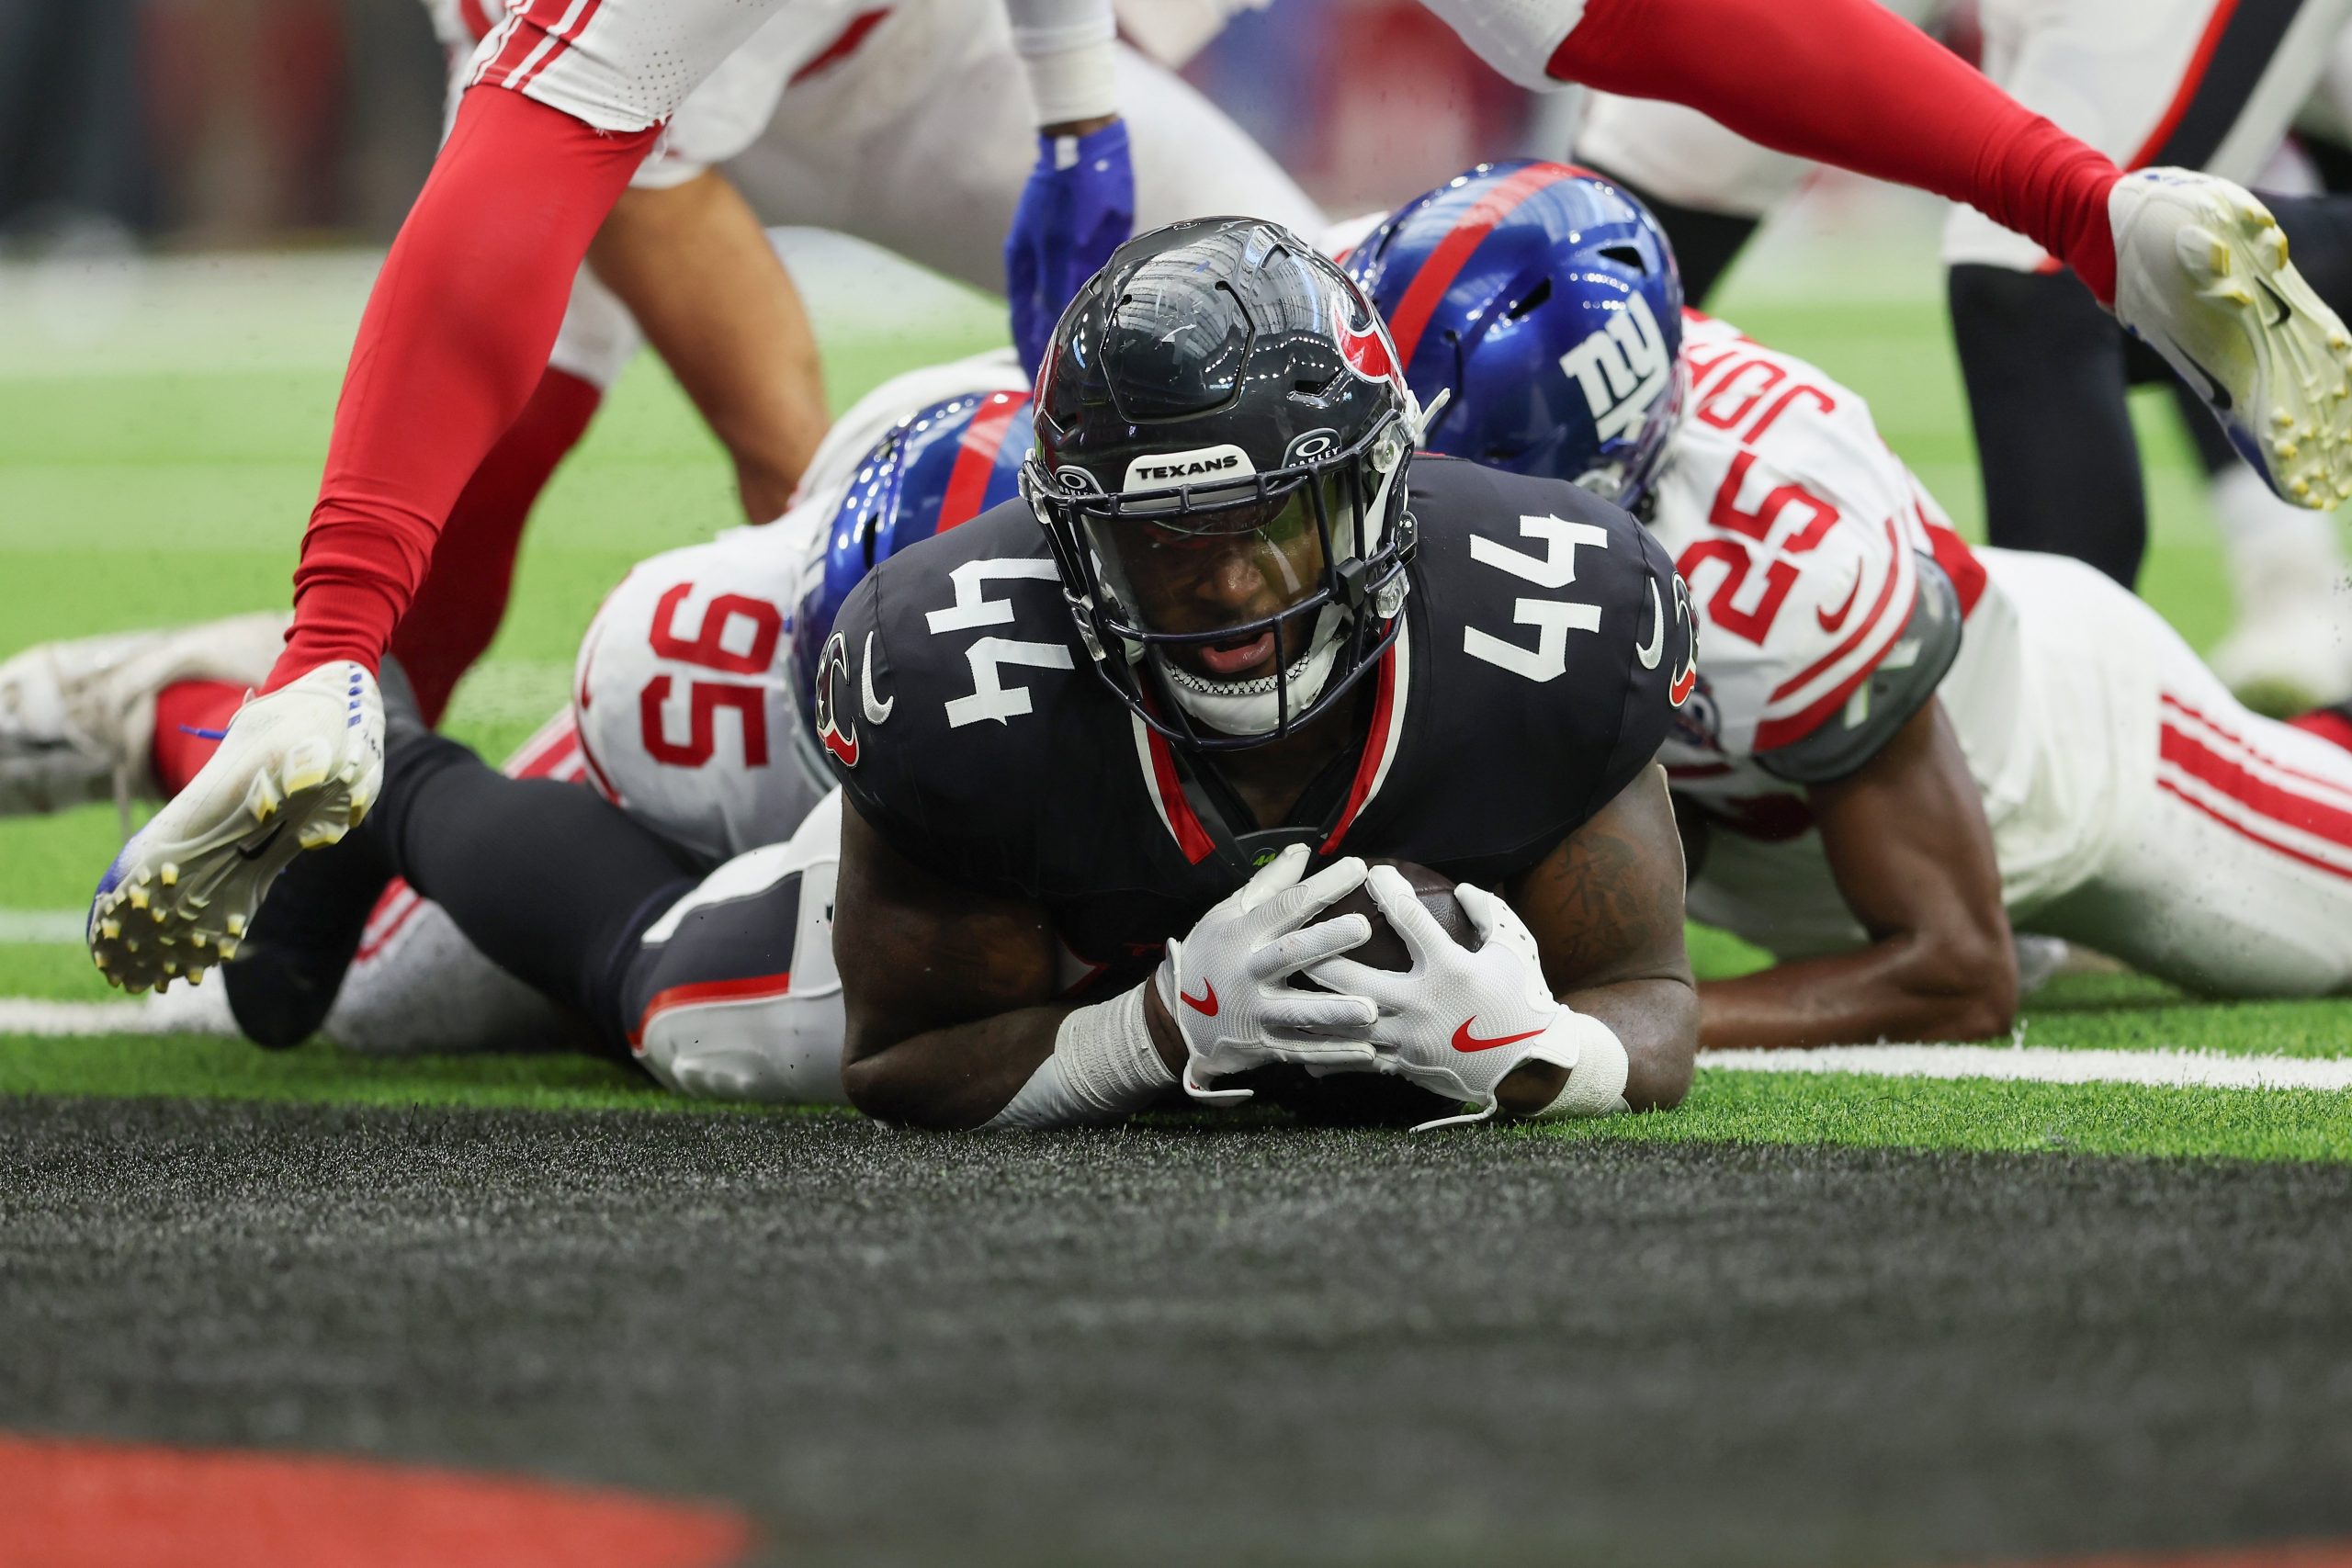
1460 1019
1226 984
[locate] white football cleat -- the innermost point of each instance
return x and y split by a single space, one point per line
2202 276
77 720
296 769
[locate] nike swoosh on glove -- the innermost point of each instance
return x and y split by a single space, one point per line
1228 984
1078 207
1461 1018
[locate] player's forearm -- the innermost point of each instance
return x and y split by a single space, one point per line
695 268
954 1078
1913 987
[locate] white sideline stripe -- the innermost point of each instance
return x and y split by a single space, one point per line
2045 1064
75 1020
2031 1064
57 926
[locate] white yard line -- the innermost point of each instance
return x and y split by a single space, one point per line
2043 1064
2034 1064
53 927
75 1020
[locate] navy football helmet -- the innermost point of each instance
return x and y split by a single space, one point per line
936 468
1222 445
1545 300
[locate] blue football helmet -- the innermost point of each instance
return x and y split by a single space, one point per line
1544 300
939 466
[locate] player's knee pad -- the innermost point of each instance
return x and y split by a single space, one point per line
687 704
732 994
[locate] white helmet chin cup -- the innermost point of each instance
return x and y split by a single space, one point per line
1253 707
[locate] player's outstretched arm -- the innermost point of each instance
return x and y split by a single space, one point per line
950 1022
947 991
695 268
1606 910
1907 841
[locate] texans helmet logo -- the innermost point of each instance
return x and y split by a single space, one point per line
1367 352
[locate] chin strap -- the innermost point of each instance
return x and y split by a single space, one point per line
1418 419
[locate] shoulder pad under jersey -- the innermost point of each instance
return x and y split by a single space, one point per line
1898 686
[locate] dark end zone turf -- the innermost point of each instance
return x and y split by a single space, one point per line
1186 1345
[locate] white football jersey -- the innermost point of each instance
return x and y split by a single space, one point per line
687 704
1801 536
727 110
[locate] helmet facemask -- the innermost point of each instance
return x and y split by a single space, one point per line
1243 597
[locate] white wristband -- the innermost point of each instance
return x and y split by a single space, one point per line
1596 1085
1103 1068
1072 81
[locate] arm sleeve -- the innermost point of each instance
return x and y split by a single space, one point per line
1897 687
1849 84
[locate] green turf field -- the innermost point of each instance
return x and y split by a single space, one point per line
156 463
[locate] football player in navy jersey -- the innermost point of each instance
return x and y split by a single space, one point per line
1102 783
1103 778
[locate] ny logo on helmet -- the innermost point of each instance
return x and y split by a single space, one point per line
1622 370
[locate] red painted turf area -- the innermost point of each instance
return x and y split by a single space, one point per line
85 1505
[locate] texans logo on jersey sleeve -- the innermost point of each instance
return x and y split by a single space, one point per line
1687 634
835 729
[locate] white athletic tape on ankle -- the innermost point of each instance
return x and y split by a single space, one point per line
1103 1068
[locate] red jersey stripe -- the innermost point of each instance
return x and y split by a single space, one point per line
1960 562
2243 831
2190 81
845 43
573 22
2267 797
1812 672
754 987
1376 749
1191 837
2336 786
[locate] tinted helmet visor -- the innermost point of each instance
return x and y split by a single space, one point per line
1225 586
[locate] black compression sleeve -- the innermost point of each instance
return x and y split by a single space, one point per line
2046 373
551 881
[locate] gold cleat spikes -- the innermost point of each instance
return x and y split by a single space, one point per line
138 895
169 872
236 924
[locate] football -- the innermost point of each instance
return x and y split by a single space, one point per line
1385 949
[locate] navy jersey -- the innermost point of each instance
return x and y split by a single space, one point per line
1545 647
